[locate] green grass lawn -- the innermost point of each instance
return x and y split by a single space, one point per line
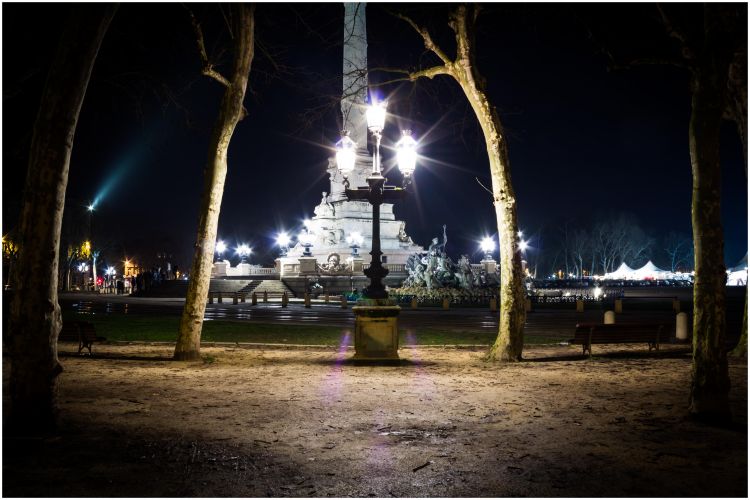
164 328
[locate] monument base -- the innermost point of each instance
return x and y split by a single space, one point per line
376 330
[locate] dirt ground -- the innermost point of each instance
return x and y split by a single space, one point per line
250 422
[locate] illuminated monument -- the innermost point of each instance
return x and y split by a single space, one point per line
337 219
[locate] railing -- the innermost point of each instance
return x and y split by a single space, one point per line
291 268
263 270
477 267
393 268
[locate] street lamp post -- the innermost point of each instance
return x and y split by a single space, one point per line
374 341
244 251
306 238
110 272
487 246
377 192
283 240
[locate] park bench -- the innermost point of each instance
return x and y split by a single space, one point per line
82 332
648 333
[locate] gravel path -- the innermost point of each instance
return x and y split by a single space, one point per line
250 422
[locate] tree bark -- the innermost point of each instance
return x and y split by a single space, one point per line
509 343
709 393
737 111
231 112
35 319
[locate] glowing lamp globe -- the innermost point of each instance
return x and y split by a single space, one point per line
244 250
355 239
220 247
523 245
376 116
283 240
406 153
346 153
487 245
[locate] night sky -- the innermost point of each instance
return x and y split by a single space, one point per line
584 142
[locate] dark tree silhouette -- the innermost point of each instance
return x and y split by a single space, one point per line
35 319
708 54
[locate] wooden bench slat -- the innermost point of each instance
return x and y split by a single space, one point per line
587 334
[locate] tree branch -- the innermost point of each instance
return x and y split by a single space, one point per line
428 42
207 68
415 75
674 32
645 61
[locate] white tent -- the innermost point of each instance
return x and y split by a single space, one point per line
650 271
624 272
737 275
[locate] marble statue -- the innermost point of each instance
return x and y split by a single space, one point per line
333 266
434 269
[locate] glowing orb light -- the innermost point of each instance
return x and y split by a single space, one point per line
346 153
406 153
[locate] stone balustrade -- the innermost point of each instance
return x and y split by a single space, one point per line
392 268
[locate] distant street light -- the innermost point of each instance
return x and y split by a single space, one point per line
306 238
523 245
488 246
355 241
220 248
244 250
283 240
109 273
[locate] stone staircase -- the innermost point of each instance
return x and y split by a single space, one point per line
178 288
250 286
275 288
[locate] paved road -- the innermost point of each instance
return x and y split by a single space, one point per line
553 323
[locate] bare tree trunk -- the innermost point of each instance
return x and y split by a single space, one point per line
231 111
509 343
738 113
35 319
709 394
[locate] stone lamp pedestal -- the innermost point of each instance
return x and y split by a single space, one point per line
308 265
376 330
357 265
489 266
219 269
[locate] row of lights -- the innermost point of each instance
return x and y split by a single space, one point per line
283 240
354 240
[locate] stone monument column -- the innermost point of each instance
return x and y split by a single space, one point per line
353 97
337 217
354 91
